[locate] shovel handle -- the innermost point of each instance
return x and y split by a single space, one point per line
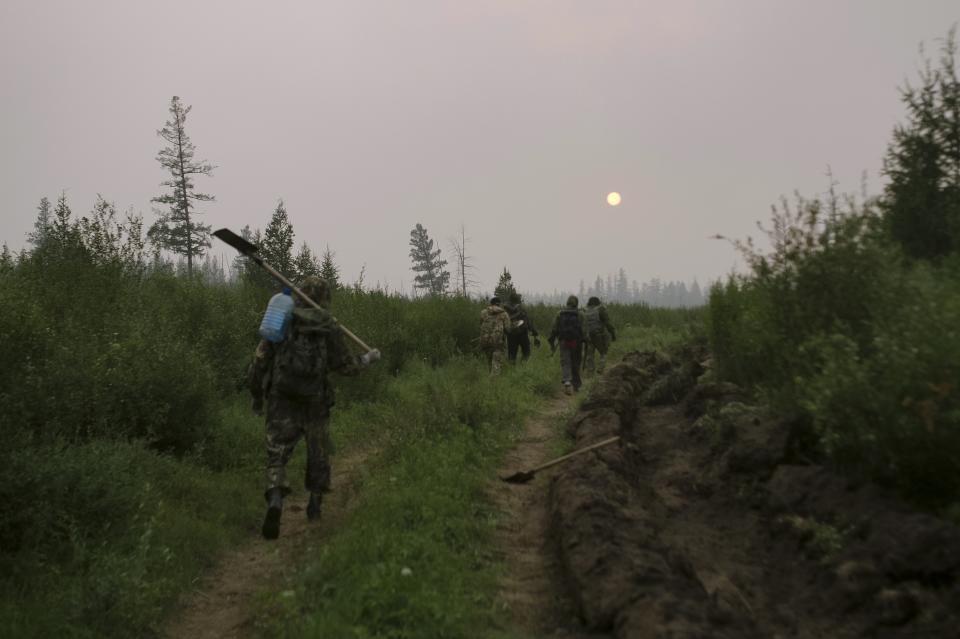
275 273
581 451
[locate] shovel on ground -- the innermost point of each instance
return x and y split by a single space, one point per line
524 476
248 249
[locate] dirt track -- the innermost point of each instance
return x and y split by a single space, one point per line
699 527
222 605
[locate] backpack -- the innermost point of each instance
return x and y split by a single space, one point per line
517 320
299 364
594 325
568 326
491 330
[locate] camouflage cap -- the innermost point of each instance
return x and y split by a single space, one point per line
317 289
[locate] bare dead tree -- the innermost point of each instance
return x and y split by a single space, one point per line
462 261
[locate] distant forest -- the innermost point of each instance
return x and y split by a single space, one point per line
621 289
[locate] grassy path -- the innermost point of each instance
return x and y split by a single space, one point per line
531 593
222 605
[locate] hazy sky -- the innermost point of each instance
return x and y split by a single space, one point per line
514 118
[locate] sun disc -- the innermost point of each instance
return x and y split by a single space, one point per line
613 198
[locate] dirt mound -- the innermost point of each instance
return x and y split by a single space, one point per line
697 525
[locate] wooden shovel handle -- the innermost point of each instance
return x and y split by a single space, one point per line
575 453
274 272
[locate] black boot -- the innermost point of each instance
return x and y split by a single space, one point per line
313 506
271 521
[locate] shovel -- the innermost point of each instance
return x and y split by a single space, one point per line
524 476
248 249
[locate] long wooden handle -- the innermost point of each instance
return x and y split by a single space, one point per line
575 453
275 273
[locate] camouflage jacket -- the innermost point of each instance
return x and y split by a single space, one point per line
307 320
605 322
488 318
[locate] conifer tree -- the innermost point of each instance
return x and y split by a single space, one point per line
429 268
329 269
505 286
177 229
6 259
276 248
305 263
922 199
41 227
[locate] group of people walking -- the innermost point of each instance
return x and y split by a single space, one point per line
289 379
583 336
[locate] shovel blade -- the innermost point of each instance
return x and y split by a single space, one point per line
520 477
237 242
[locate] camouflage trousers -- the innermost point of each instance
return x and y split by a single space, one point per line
495 357
287 421
598 342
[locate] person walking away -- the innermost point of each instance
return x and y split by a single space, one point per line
598 325
292 377
494 326
518 338
570 330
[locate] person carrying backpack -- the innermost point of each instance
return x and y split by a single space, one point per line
570 330
494 326
518 338
292 377
598 325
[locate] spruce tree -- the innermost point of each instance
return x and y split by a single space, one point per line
922 199
505 286
177 229
41 227
276 248
329 270
429 268
305 263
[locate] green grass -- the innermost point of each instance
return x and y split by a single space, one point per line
416 558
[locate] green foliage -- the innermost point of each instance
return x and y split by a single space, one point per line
329 269
505 286
922 199
835 328
177 229
276 247
431 277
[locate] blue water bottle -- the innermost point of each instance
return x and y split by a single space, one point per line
273 328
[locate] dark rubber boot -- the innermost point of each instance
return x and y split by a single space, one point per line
271 521
313 506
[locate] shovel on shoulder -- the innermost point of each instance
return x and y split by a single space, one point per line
523 476
248 249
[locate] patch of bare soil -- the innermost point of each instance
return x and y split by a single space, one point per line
221 607
532 594
697 526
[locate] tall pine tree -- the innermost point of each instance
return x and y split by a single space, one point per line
276 247
429 268
505 287
177 229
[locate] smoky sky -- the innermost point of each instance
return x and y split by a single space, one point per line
512 118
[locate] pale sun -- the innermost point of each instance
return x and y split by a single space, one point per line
613 198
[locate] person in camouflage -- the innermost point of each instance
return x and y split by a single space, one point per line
570 329
518 337
294 412
598 325
494 327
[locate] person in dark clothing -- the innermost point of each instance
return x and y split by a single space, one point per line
518 337
570 330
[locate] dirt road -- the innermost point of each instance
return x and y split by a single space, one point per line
222 605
